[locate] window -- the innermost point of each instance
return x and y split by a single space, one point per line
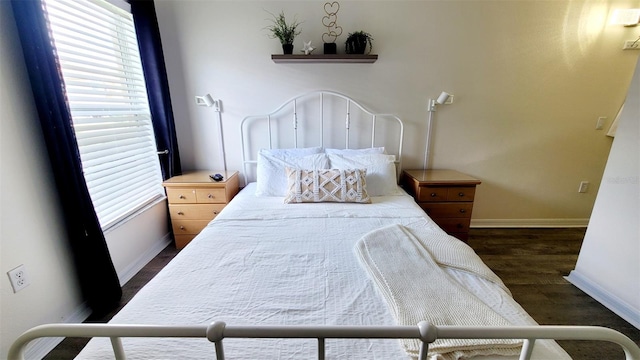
98 54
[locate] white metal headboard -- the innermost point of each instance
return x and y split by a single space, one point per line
318 114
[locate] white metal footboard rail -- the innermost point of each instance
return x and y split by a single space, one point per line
217 331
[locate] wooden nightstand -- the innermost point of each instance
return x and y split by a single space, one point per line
195 199
445 195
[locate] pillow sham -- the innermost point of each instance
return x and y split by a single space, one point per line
271 179
293 152
352 152
326 185
381 171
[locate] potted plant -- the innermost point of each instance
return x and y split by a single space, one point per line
357 42
284 32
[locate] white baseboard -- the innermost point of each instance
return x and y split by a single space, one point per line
39 348
610 301
529 223
131 270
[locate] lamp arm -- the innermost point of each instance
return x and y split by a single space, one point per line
427 150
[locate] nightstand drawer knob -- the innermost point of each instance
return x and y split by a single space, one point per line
181 227
462 211
210 196
460 226
434 194
461 194
215 212
181 197
180 213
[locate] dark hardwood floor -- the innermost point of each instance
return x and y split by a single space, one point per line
531 262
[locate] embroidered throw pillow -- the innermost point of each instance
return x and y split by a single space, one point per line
326 185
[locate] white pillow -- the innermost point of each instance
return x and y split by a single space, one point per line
352 152
270 174
381 171
293 152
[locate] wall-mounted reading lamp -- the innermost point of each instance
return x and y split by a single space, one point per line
208 101
444 98
625 17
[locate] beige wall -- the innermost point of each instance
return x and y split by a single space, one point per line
530 80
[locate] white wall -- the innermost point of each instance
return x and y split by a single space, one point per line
31 230
530 79
608 266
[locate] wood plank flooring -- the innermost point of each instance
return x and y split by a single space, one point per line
531 262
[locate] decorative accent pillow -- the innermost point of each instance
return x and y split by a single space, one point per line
270 174
327 185
381 171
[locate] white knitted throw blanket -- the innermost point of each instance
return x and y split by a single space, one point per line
406 271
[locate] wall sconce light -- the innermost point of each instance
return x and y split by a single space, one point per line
626 17
444 99
208 101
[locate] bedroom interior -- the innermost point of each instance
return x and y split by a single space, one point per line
523 122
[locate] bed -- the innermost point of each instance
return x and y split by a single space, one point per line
294 274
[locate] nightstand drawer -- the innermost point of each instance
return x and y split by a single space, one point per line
454 225
445 193
455 210
194 211
432 193
188 226
181 195
461 193
214 196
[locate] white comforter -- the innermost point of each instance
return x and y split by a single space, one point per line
265 262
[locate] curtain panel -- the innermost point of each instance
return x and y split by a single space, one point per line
96 274
155 73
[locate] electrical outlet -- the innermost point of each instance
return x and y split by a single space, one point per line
18 277
584 186
631 45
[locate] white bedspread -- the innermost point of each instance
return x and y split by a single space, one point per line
265 262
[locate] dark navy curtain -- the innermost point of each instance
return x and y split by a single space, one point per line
144 16
97 277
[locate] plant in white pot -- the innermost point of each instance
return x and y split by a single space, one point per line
283 31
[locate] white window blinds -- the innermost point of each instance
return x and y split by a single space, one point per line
100 62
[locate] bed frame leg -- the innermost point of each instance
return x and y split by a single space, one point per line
118 349
320 348
424 350
527 349
428 334
215 334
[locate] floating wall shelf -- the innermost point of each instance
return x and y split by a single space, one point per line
331 58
